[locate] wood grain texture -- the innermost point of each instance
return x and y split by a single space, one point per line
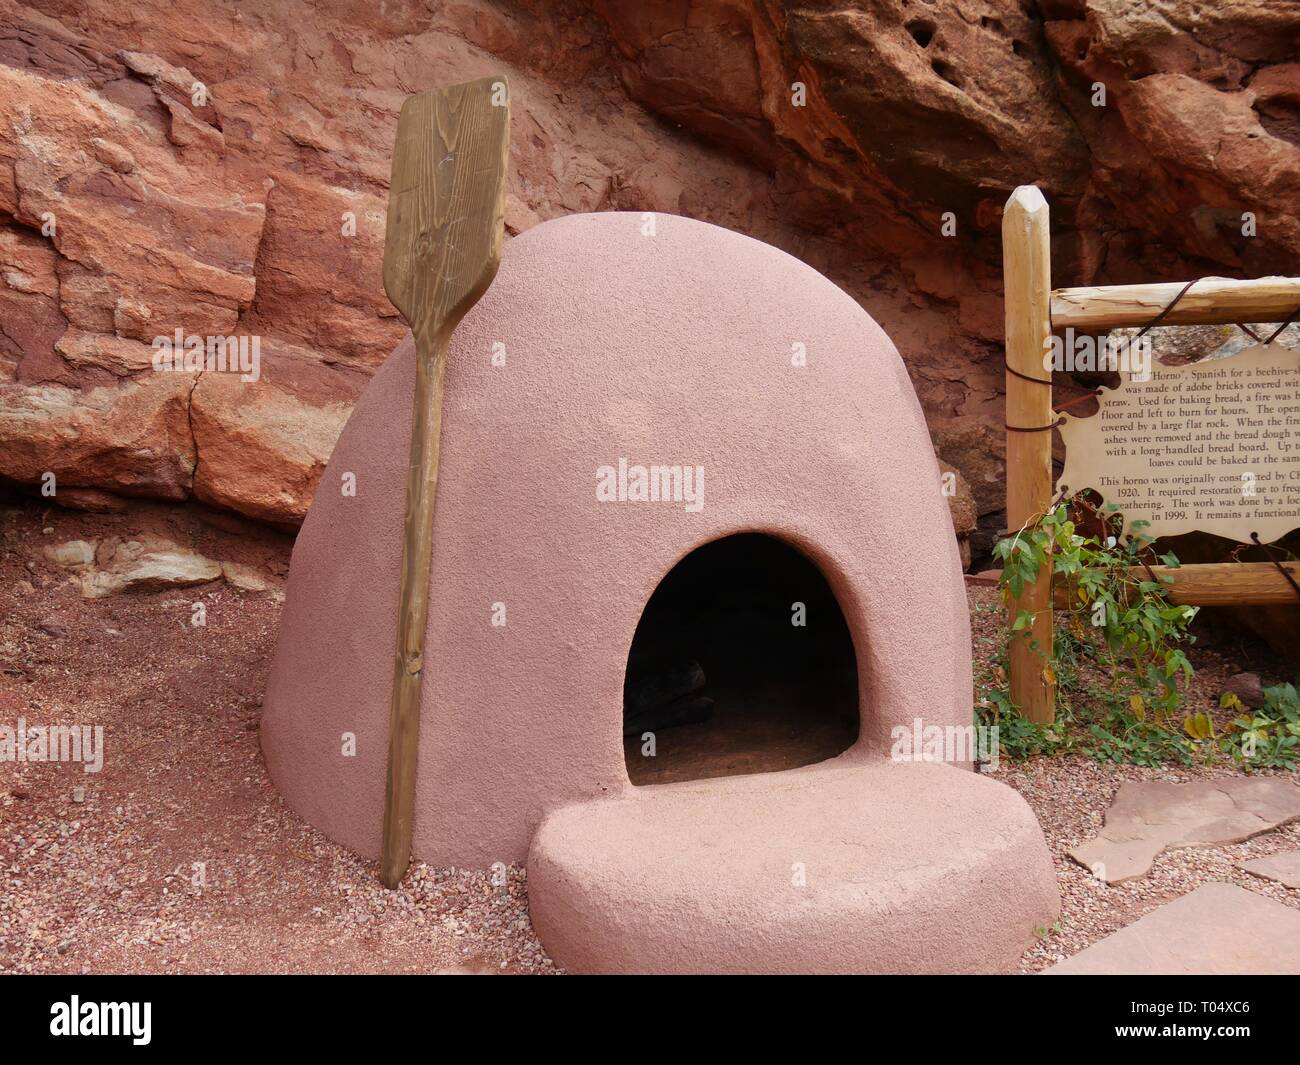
1211 301
1215 584
446 212
1026 269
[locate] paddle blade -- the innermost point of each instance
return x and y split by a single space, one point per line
446 203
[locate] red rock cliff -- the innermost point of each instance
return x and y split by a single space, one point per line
132 205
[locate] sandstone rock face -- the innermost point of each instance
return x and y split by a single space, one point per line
223 171
961 505
114 565
149 562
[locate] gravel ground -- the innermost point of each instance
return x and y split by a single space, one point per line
180 856
1070 796
1071 793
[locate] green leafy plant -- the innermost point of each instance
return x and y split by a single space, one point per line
1121 630
1018 737
1268 737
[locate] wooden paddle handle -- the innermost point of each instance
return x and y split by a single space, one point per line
446 209
412 612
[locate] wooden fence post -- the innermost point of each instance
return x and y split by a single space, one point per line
1026 265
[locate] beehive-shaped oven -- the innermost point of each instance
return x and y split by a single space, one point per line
775 412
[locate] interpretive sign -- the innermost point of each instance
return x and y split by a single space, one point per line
1211 446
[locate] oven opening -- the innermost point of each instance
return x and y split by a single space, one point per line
742 663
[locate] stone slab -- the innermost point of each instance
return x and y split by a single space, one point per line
1148 817
1283 867
1218 929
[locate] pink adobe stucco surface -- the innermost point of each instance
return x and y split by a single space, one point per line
669 349
893 868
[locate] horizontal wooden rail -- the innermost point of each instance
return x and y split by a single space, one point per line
1217 584
1211 301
